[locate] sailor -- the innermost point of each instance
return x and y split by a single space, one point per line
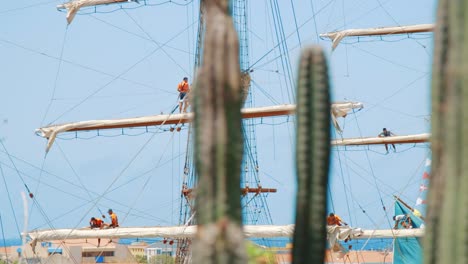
387 133
333 219
183 88
405 221
96 223
114 220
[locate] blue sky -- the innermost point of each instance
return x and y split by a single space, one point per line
107 64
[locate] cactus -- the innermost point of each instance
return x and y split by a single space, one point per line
218 142
446 239
312 157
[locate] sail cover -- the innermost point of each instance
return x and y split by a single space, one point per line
407 250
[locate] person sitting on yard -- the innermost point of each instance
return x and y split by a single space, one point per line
96 223
114 220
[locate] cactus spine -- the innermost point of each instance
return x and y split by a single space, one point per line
312 157
446 239
218 142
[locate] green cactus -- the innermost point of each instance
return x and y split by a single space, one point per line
218 142
312 157
446 239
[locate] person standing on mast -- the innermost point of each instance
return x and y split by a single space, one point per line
183 88
387 133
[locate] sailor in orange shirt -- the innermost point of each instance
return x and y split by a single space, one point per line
333 219
114 220
96 223
183 88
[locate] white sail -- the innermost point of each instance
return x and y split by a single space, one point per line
190 232
74 6
337 36
50 132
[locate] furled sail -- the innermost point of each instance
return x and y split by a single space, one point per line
50 132
337 36
190 231
407 139
74 6
341 109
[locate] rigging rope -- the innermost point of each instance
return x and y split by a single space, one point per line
78 177
295 23
159 46
56 76
374 177
116 77
9 199
3 236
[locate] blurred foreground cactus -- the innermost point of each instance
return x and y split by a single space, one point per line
312 157
446 239
218 142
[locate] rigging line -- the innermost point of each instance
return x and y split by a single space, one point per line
280 42
158 45
143 37
36 190
344 186
74 195
3 236
412 176
14 165
359 175
81 65
315 22
419 117
387 60
330 15
264 92
350 186
295 22
77 176
289 72
346 47
287 37
396 92
9 199
388 14
374 177
118 176
189 36
26 7
360 17
57 74
115 78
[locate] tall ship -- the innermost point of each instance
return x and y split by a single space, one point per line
116 138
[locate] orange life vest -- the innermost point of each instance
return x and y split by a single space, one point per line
183 87
334 220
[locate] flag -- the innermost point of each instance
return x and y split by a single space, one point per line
425 175
420 201
422 187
